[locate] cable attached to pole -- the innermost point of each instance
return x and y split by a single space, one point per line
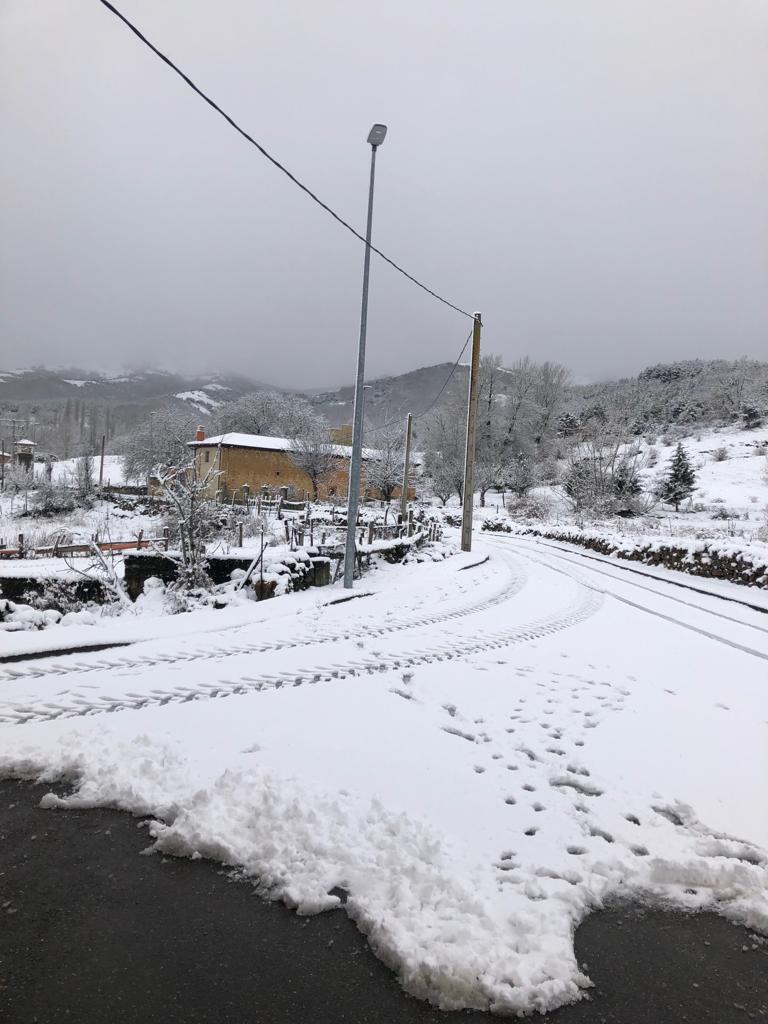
265 153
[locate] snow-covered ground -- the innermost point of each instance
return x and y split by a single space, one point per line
65 471
476 754
106 518
729 503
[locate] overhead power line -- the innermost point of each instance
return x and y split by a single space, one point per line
435 400
231 121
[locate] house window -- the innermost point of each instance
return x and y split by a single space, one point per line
207 455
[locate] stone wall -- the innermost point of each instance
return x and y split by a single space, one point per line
257 468
310 571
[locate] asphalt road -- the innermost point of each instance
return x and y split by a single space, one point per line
92 932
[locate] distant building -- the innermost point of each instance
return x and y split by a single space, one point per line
240 465
24 452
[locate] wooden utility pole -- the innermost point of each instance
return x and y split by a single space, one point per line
468 492
406 466
101 461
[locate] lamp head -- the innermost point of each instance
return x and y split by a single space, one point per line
376 134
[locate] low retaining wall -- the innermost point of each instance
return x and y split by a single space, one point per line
701 558
21 588
303 571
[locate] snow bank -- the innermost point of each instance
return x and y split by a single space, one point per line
452 938
448 942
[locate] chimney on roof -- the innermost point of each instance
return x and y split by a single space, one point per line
199 434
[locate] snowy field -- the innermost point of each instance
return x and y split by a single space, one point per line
473 757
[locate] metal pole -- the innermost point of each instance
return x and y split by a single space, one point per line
468 493
101 461
357 421
406 466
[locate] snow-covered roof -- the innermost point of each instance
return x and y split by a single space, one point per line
269 444
234 440
27 442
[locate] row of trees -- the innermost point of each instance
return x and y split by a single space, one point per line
517 427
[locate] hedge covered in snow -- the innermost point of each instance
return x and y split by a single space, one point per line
717 559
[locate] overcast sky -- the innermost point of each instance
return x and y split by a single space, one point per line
591 175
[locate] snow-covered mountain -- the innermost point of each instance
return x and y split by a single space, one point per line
204 393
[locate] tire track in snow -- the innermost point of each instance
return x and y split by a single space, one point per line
542 560
577 560
585 606
619 564
518 579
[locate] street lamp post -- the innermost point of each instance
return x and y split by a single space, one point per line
375 138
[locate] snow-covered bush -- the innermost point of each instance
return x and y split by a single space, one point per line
532 506
721 512
452 519
53 499
720 454
762 532
15 617
497 524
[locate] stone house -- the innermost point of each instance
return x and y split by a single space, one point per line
241 464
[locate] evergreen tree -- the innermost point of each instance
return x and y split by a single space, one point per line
680 482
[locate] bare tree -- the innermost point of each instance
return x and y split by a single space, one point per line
313 452
603 476
84 475
159 445
384 465
270 413
444 446
551 382
194 519
521 406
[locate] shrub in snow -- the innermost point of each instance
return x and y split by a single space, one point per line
57 595
452 519
53 499
16 617
533 506
549 471
497 524
720 454
751 417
